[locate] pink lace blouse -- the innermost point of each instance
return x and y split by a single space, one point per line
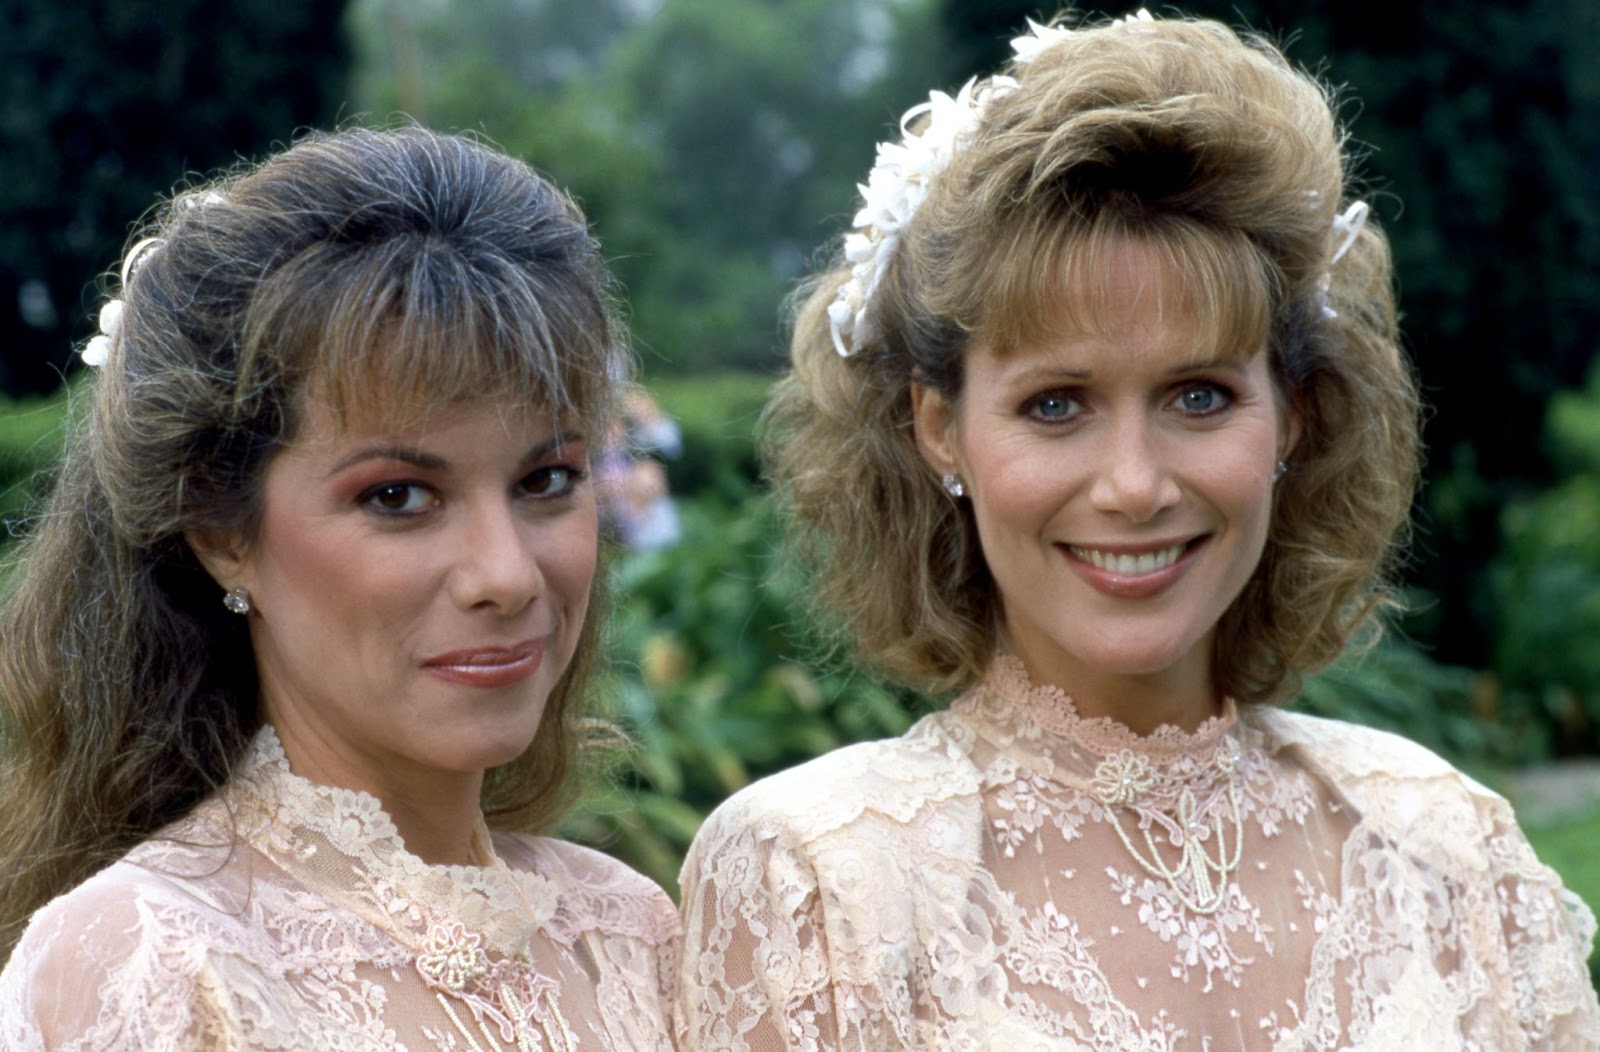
1009 875
316 929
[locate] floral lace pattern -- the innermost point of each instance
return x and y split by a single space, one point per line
971 885
286 915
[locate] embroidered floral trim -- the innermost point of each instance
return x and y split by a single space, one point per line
1041 709
286 816
1121 779
452 957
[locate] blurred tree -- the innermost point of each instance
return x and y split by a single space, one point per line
1546 581
105 105
762 115
710 142
1480 130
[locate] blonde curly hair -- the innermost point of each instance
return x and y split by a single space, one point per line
1212 147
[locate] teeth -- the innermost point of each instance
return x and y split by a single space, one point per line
1128 565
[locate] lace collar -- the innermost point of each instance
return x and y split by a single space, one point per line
342 844
1037 727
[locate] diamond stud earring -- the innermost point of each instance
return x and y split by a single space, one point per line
953 485
237 601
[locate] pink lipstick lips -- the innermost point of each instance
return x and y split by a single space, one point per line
1129 573
487 666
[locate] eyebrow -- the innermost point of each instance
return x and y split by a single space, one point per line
432 462
1196 364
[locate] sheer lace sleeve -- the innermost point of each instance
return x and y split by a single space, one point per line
92 972
1548 933
755 972
816 901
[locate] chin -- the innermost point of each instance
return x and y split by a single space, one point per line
1138 663
480 749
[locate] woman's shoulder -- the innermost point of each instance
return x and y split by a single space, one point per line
569 864
594 892
886 784
1407 792
1363 760
155 880
115 942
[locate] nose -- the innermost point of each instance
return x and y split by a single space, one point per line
1133 477
496 568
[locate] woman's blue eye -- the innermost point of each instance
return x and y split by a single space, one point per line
1053 407
398 498
1202 400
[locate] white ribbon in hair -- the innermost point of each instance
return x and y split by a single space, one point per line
1347 227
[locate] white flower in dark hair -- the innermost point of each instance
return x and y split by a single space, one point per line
96 351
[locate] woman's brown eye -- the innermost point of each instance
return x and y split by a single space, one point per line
398 497
552 481
392 497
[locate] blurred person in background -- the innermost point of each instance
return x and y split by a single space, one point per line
1100 426
296 657
636 499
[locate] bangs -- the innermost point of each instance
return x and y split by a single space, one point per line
1042 279
391 333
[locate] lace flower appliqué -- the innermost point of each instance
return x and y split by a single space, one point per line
452 958
1121 779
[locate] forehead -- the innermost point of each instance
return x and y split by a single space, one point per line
486 426
1113 285
1131 304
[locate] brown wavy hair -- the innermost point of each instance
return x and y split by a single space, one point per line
1212 147
427 268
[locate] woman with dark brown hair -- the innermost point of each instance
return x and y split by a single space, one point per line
295 659
1100 424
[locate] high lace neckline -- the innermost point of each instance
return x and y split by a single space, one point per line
342 843
1038 727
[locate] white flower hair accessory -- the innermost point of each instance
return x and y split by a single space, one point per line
1347 227
98 349
899 181
894 191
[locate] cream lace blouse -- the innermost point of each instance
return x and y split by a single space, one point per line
317 930
1009 875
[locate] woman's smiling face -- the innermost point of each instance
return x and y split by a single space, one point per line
1121 483
417 592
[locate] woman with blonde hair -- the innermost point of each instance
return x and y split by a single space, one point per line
1100 425
295 662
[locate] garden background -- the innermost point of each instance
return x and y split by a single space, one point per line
716 143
